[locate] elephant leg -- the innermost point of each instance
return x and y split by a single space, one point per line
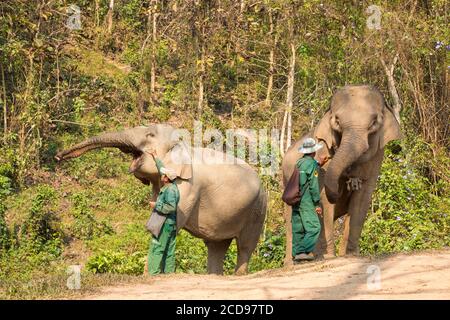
247 242
344 241
287 218
325 246
354 221
216 255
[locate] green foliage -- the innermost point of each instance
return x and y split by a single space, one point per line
40 231
5 190
120 253
117 262
269 253
161 113
191 254
85 225
101 164
406 212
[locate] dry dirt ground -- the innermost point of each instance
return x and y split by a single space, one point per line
423 275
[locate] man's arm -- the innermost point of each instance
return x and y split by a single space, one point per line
159 163
168 203
314 187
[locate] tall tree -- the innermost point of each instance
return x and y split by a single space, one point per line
109 16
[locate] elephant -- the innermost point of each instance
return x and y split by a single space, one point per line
354 131
219 200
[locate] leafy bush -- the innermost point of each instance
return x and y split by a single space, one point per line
191 254
120 253
40 231
100 164
86 226
406 212
269 253
117 262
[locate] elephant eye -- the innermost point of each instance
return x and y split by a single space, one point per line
151 134
373 123
336 122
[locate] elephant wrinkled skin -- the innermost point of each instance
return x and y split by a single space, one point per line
218 201
354 132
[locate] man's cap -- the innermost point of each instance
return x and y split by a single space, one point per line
309 146
170 173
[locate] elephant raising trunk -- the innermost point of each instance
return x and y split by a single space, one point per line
353 145
121 140
205 209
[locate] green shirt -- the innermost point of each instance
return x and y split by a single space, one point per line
307 167
168 197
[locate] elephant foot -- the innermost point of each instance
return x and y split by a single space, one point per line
241 271
328 256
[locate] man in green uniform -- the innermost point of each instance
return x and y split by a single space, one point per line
161 257
305 222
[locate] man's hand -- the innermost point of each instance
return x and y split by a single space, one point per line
319 211
322 160
152 204
151 152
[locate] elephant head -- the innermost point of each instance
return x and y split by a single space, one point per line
357 125
134 141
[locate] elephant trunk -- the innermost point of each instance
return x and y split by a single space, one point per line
353 145
121 140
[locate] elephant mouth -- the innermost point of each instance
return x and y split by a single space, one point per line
137 162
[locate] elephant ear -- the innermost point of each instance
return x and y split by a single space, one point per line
179 159
391 128
323 130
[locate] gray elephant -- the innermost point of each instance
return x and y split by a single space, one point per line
219 200
354 132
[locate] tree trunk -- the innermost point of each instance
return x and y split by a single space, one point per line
5 109
271 60
290 96
283 130
153 56
109 16
392 87
201 74
97 16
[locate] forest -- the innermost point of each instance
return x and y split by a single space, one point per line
72 69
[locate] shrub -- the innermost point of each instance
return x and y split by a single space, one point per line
120 253
406 213
40 231
5 190
86 226
191 254
117 262
269 253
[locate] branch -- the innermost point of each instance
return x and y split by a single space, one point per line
391 85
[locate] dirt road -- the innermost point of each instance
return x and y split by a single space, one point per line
424 275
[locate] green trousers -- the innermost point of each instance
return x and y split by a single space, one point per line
305 229
161 256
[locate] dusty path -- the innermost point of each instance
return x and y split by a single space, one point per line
424 275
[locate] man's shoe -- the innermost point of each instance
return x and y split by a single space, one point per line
304 257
